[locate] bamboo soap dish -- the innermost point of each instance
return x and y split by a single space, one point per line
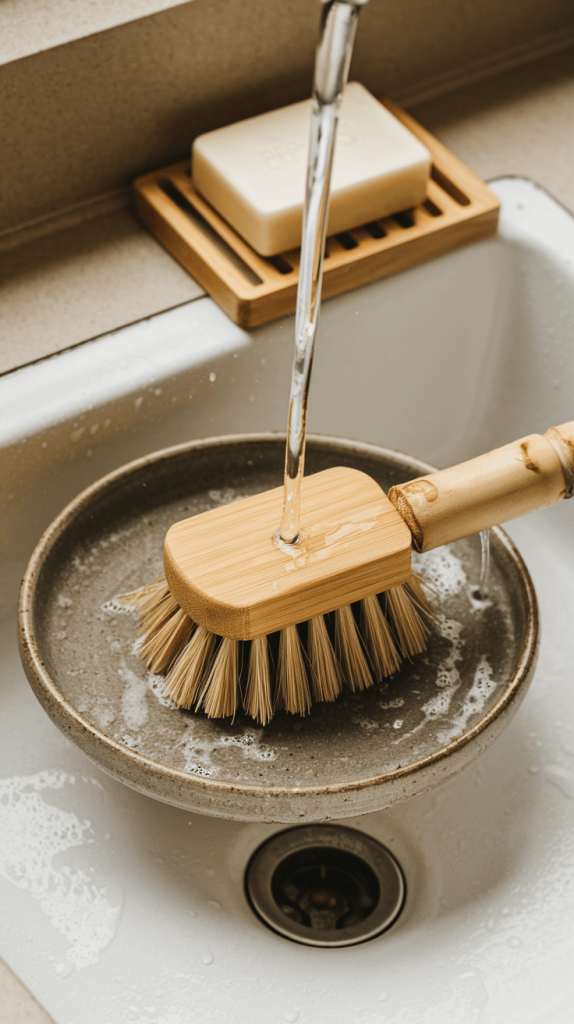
253 289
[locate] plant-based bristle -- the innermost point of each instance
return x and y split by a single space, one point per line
415 588
184 679
379 642
349 651
154 618
204 670
292 683
163 645
219 694
411 631
325 671
257 701
147 596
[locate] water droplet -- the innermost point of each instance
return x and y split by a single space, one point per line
212 377
533 769
291 1016
214 904
158 993
64 970
561 778
207 958
384 996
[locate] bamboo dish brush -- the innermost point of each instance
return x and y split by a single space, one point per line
248 614
229 583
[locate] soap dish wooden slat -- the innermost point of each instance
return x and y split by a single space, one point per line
253 289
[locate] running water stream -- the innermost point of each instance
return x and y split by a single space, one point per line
483 582
338 26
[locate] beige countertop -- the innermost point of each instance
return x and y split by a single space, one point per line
520 122
103 273
27 26
17 1006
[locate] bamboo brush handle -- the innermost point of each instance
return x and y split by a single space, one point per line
503 484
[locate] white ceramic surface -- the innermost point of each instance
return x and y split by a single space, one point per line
117 908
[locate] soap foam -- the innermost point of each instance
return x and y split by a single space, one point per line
102 713
115 607
366 723
156 685
198 750
482 687
447 679
224 497
442 570
33 833
134 704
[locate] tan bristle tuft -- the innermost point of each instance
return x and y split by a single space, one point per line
170 641
154 617
410 629
378 639
416 588
257 702
349 651
292 683
326 674
163 645
185 677
147 596
219 694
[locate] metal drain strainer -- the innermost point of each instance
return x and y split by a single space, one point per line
325 885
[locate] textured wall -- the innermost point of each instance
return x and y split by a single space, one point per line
86 117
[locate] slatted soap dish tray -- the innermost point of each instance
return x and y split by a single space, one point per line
253 289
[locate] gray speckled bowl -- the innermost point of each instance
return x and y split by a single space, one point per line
362 752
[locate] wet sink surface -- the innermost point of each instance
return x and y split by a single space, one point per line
119 908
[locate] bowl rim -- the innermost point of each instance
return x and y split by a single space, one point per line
42 682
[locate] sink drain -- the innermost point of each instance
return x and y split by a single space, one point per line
325 885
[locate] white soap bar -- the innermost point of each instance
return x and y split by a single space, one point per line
253 172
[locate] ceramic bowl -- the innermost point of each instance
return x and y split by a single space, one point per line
363 752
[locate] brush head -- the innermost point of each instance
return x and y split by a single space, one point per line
227 572
302 664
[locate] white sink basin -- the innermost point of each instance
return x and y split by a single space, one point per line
118 908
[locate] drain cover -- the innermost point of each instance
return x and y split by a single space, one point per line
325 885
